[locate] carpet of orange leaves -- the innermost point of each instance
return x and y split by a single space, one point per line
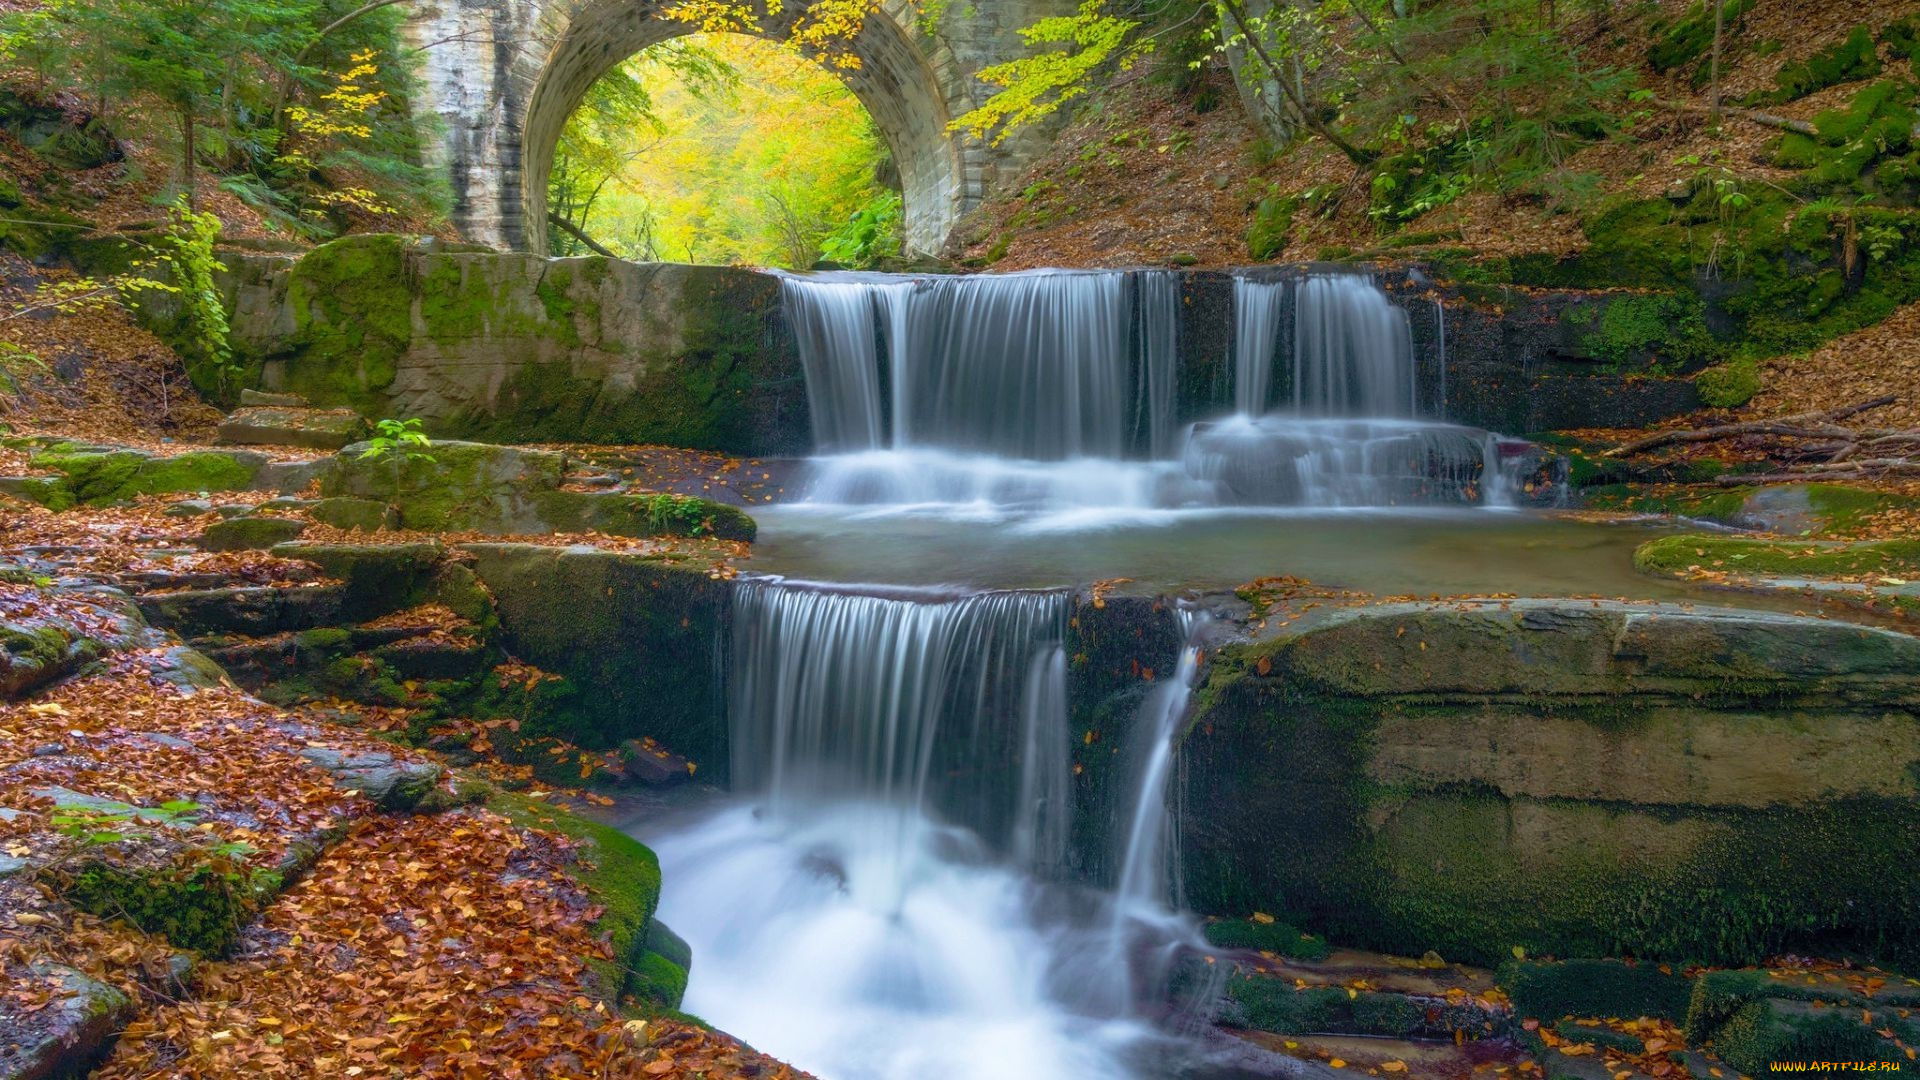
451 946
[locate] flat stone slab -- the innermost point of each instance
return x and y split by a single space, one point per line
275 425
388 781
69 1035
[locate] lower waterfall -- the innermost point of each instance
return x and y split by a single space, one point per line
886 899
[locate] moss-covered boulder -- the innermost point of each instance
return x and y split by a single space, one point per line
635 635
623 877
645 515
102 475
71 1035
355 515
56 632
456 486
250 533
1572 778
520 348
319 429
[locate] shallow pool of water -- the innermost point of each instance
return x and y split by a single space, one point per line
1385 552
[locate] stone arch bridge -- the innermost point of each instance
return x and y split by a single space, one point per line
504 75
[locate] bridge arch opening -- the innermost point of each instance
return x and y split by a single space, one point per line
893 81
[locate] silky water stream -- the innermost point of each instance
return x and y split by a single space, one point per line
890 890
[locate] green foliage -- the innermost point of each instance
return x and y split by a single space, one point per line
1729 385
1850 60
617 122
178 269
753 155
870 235
1035 87
228 76
402 437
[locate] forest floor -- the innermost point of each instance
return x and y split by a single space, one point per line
449 937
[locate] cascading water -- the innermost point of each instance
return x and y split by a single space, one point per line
1352 436
1058 393
881 908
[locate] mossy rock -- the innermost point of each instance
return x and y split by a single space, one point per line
1595 988
355 515
1275 937
1497 788
453 485
352 306
1271 227
1719 995
250 533
1762 1033
657 982
98 476
1267 1003
53 492
623 877
1849 60
194 906
645 515
1731 385
1679 555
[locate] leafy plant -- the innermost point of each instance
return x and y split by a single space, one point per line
402 437
871 234
179 267
1035 87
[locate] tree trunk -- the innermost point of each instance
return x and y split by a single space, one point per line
1713 73
187 153
1275 72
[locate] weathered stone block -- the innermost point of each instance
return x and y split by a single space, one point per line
358 515
319 429
457 486
250 533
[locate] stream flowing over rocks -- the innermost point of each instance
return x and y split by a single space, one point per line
1082 685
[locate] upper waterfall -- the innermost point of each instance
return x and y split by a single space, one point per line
1092 392
1350 348
1034 366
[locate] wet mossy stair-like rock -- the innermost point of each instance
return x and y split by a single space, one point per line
1571 777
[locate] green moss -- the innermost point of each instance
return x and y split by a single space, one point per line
98 477
196 907
623 877
1274 937
1729 385
1405 870
326 638
54 493
657 982
1272 225
1804 558
1848 61
352 306
1666 331
1763 1032
45 646
1275 1005
1594 988
1689 37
